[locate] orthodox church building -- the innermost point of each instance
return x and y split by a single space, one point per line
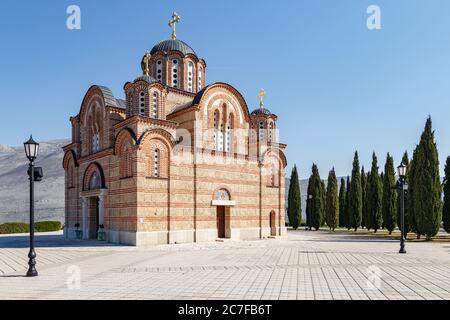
178 160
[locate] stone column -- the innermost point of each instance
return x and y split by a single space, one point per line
85 212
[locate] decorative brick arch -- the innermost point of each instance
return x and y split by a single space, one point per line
157 144
70 166
69 156
124 135
161 133
224 188
275 152
89 172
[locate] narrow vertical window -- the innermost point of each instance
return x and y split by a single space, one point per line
216 116
261 130
190 76
175 73
200 71
95 141
159 68
221 133
229 134
271 132
155 106
157 162
142 103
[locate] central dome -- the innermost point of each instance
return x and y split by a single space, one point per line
173 45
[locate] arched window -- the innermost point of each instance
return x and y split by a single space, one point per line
155 106
175 73
159 69
229 133
156 163
200 82
142 103
190 76
272 174
95 140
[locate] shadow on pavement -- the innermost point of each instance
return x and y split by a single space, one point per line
49 241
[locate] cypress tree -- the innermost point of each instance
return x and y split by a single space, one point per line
374 197
308 204
405 161
446 209
355 200
411 174
294 202
317 205
347 206
389 204
427 185
323 194
332 201
342 203
364 198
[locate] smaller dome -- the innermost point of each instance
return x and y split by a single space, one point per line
173 45
149 79
263 111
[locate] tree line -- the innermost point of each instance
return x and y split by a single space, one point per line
371 199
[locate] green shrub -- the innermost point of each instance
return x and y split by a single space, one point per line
14 227
47 226
19 227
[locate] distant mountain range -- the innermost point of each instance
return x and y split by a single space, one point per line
14 183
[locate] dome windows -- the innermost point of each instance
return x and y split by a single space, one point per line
142 103
175 73
159 68
155 105
190 71
200 71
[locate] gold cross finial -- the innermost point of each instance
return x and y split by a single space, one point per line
261 95
172 23
146 62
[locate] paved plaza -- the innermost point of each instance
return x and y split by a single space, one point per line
305 265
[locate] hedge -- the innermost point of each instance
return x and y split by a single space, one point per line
18 227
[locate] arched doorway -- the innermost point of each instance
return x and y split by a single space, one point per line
222 202
93 197
273 226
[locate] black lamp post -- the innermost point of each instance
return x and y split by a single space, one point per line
31 151
403 187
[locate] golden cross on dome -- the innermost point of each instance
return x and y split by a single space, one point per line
146 62
172 23
261 95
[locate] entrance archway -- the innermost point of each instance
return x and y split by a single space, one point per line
273 227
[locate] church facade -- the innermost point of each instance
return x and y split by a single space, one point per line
176 161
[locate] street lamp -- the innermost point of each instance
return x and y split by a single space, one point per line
35 174
401 170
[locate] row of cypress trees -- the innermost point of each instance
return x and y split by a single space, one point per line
371 200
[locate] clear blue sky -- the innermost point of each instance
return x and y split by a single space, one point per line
336 86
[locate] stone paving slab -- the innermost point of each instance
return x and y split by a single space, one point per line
306 265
